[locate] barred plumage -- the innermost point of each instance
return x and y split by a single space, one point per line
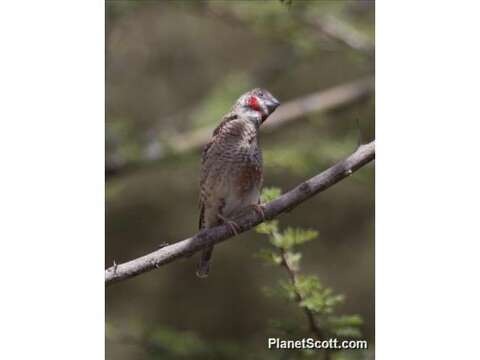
231 174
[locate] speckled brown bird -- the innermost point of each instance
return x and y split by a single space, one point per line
232 173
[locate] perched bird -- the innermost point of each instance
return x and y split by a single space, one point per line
231 171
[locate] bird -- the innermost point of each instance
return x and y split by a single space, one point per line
231 174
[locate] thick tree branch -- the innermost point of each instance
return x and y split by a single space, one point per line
285 203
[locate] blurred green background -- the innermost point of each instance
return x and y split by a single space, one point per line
174 67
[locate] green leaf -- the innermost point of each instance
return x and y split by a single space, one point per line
277 240
315 303
292 237
270 194
345 320
308 285
296 236
269 256
345 325
333 300
287 290
293 260
267 227
347 332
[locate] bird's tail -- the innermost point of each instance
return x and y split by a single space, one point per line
204 265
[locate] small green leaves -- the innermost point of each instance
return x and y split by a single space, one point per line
306 291
295 236
293 260
269 256
308 285
289 238
267 227
320 302
270 194
315 297
288 290
345 325
347 332
346 320
314 303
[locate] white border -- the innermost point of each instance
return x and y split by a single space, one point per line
52 190
428 178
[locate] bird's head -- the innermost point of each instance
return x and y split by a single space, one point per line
257 103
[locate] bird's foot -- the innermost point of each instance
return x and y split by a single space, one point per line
259 209
234 227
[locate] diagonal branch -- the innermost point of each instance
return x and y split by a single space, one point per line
363 155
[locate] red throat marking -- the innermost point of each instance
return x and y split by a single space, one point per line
253 103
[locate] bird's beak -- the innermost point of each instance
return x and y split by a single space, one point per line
272 104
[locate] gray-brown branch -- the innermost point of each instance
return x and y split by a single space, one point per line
306 190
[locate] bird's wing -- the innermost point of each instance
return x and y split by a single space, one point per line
203 180
207 154
201 217
227 118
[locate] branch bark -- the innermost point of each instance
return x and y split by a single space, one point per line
306 190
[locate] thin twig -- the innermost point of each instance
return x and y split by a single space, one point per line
293 276
306 190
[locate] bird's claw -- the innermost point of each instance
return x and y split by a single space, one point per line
234 227
259 209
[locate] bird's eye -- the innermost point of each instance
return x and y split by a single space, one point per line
260 93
